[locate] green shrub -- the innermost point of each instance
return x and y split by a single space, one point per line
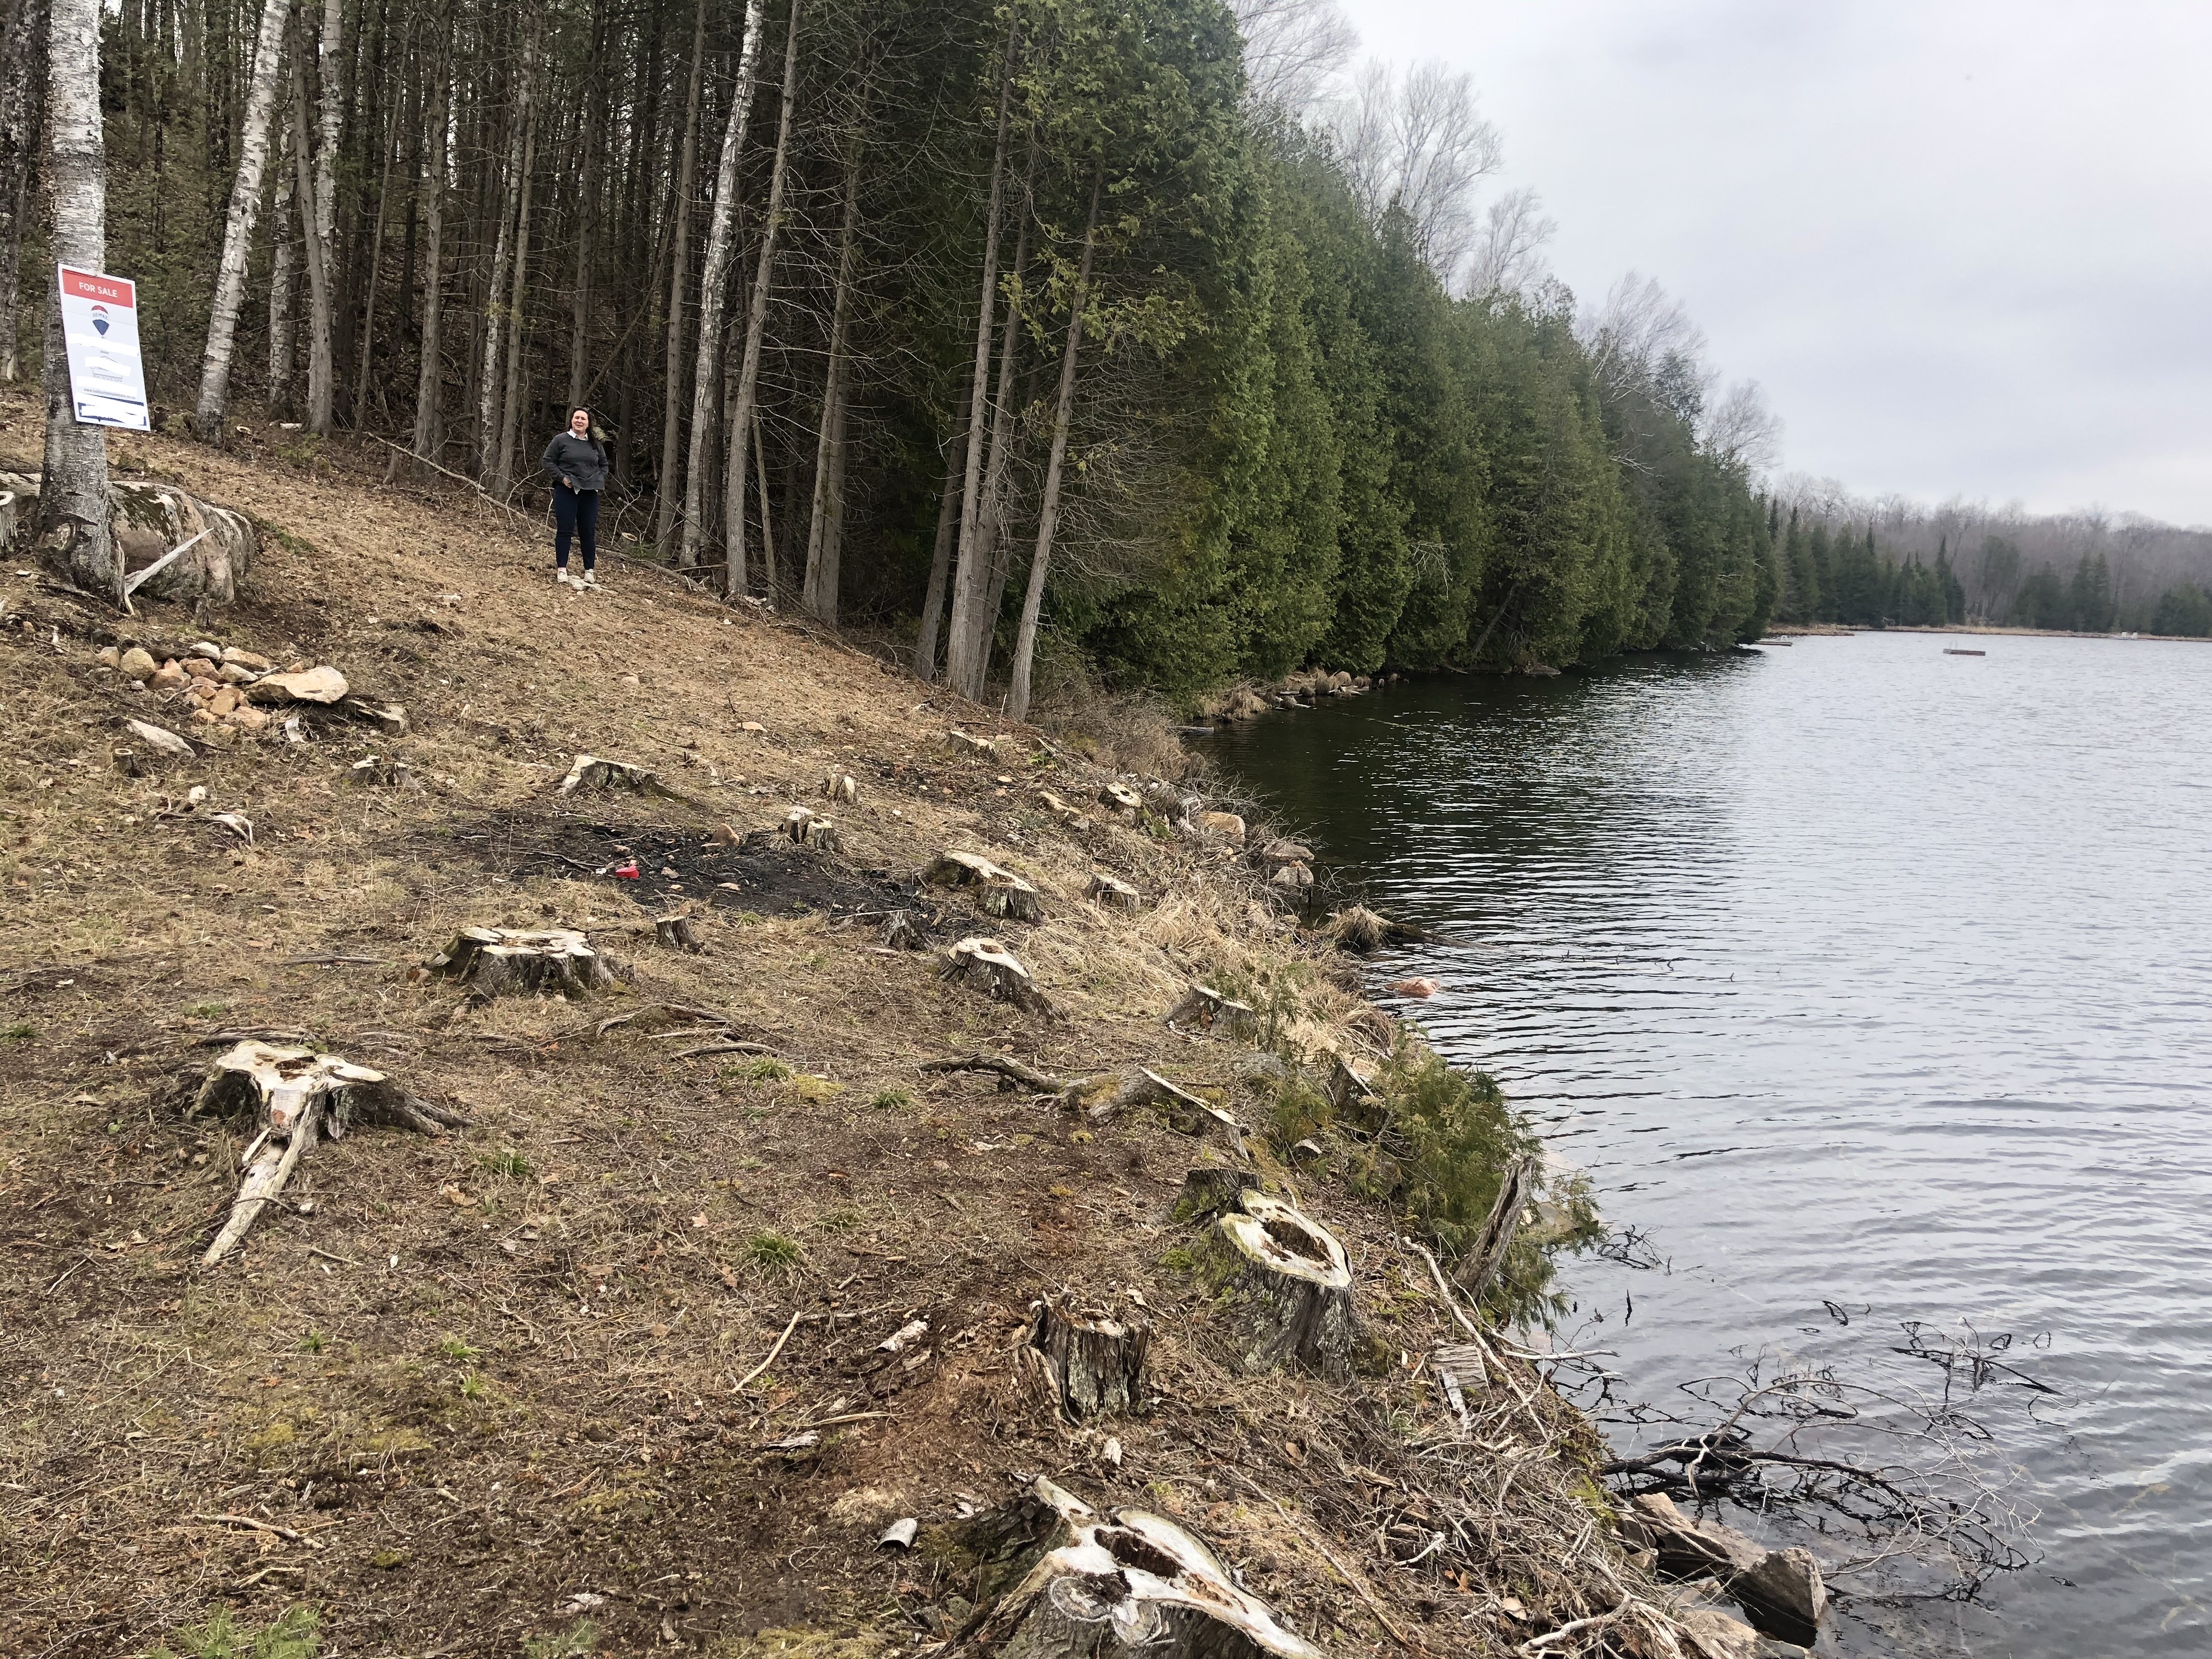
1450 1140
295 1635
770 1252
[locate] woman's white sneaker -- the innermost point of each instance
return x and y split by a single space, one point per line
561 577
591 579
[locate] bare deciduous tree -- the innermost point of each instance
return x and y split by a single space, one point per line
1508 258
1294 50
1417 147
1741 429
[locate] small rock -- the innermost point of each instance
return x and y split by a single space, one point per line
235 658
726 834
201 668
207 651
160 740
247 718
1292 877
1415 988
169 676
224 700
202 717
109 657
629 679
1717 1636
753 727
237 674
323 685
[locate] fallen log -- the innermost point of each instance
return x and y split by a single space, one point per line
986 965
1205 1009
295 1097
1477 1269
1127 1584
1781 1590
1085 1362
997 891
1284 1285
1101 1098
495 962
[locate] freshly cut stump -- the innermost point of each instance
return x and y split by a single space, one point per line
1121 797
986 965
1112 892
378 773
1128 1585
678 933
296 1096
997 891
900 933
1284 1284
1089 1363
804 826
841 787
495 962
1205 1009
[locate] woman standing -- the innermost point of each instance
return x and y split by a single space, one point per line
579 464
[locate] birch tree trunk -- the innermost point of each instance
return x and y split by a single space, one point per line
283 265
430 375
980 385
238 224
317 247
671 407
322 274
825 525
511 400
73 535
940 557
741 409
977 578
1017 697
713 278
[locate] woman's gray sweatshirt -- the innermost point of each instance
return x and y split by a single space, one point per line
579 459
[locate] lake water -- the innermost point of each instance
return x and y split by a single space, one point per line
1871 985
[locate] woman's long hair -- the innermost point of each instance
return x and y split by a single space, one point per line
591 428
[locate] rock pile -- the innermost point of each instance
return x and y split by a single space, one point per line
1302 690
226 692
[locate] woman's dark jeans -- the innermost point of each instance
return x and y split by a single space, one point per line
575 514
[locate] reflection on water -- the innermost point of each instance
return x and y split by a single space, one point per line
1855 973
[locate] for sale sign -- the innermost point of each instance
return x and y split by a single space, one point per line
100 328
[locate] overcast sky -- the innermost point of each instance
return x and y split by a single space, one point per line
1964 245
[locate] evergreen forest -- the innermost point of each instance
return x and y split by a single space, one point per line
1060 341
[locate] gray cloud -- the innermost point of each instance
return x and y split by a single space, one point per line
1967 246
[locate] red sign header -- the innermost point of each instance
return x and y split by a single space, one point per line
109 290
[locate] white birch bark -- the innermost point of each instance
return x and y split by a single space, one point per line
825 523
714 277
671 407
238 223
73 535
1017 697
741 409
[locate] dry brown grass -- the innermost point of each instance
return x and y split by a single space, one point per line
487 1373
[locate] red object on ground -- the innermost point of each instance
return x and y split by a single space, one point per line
626 871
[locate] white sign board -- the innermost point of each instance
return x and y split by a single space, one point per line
100 327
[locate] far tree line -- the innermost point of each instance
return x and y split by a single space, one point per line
1058 339
1844 574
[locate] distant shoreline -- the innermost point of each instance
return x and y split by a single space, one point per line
1807 630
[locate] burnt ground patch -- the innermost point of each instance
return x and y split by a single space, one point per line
765 874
